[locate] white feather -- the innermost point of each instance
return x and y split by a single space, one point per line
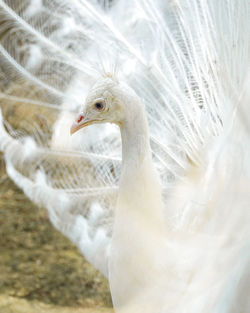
188 61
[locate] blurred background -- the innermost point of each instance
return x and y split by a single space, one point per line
40 270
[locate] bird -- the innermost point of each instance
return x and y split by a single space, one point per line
159 201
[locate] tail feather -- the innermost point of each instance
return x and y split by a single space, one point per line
92 240
189 62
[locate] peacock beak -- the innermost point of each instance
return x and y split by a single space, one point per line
79 123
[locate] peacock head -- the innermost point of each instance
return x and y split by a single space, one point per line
105 103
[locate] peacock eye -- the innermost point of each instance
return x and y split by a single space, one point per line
99 105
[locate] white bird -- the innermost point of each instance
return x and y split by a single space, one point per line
137 245
174 236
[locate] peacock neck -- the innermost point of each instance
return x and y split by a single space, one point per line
135 139
139 228
140 187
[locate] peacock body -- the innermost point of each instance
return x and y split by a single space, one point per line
163 209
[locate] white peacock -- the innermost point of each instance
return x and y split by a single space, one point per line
169 225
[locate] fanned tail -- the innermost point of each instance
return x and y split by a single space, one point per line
187 60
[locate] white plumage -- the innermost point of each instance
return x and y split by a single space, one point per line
174 237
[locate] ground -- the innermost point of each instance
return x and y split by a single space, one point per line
40 270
